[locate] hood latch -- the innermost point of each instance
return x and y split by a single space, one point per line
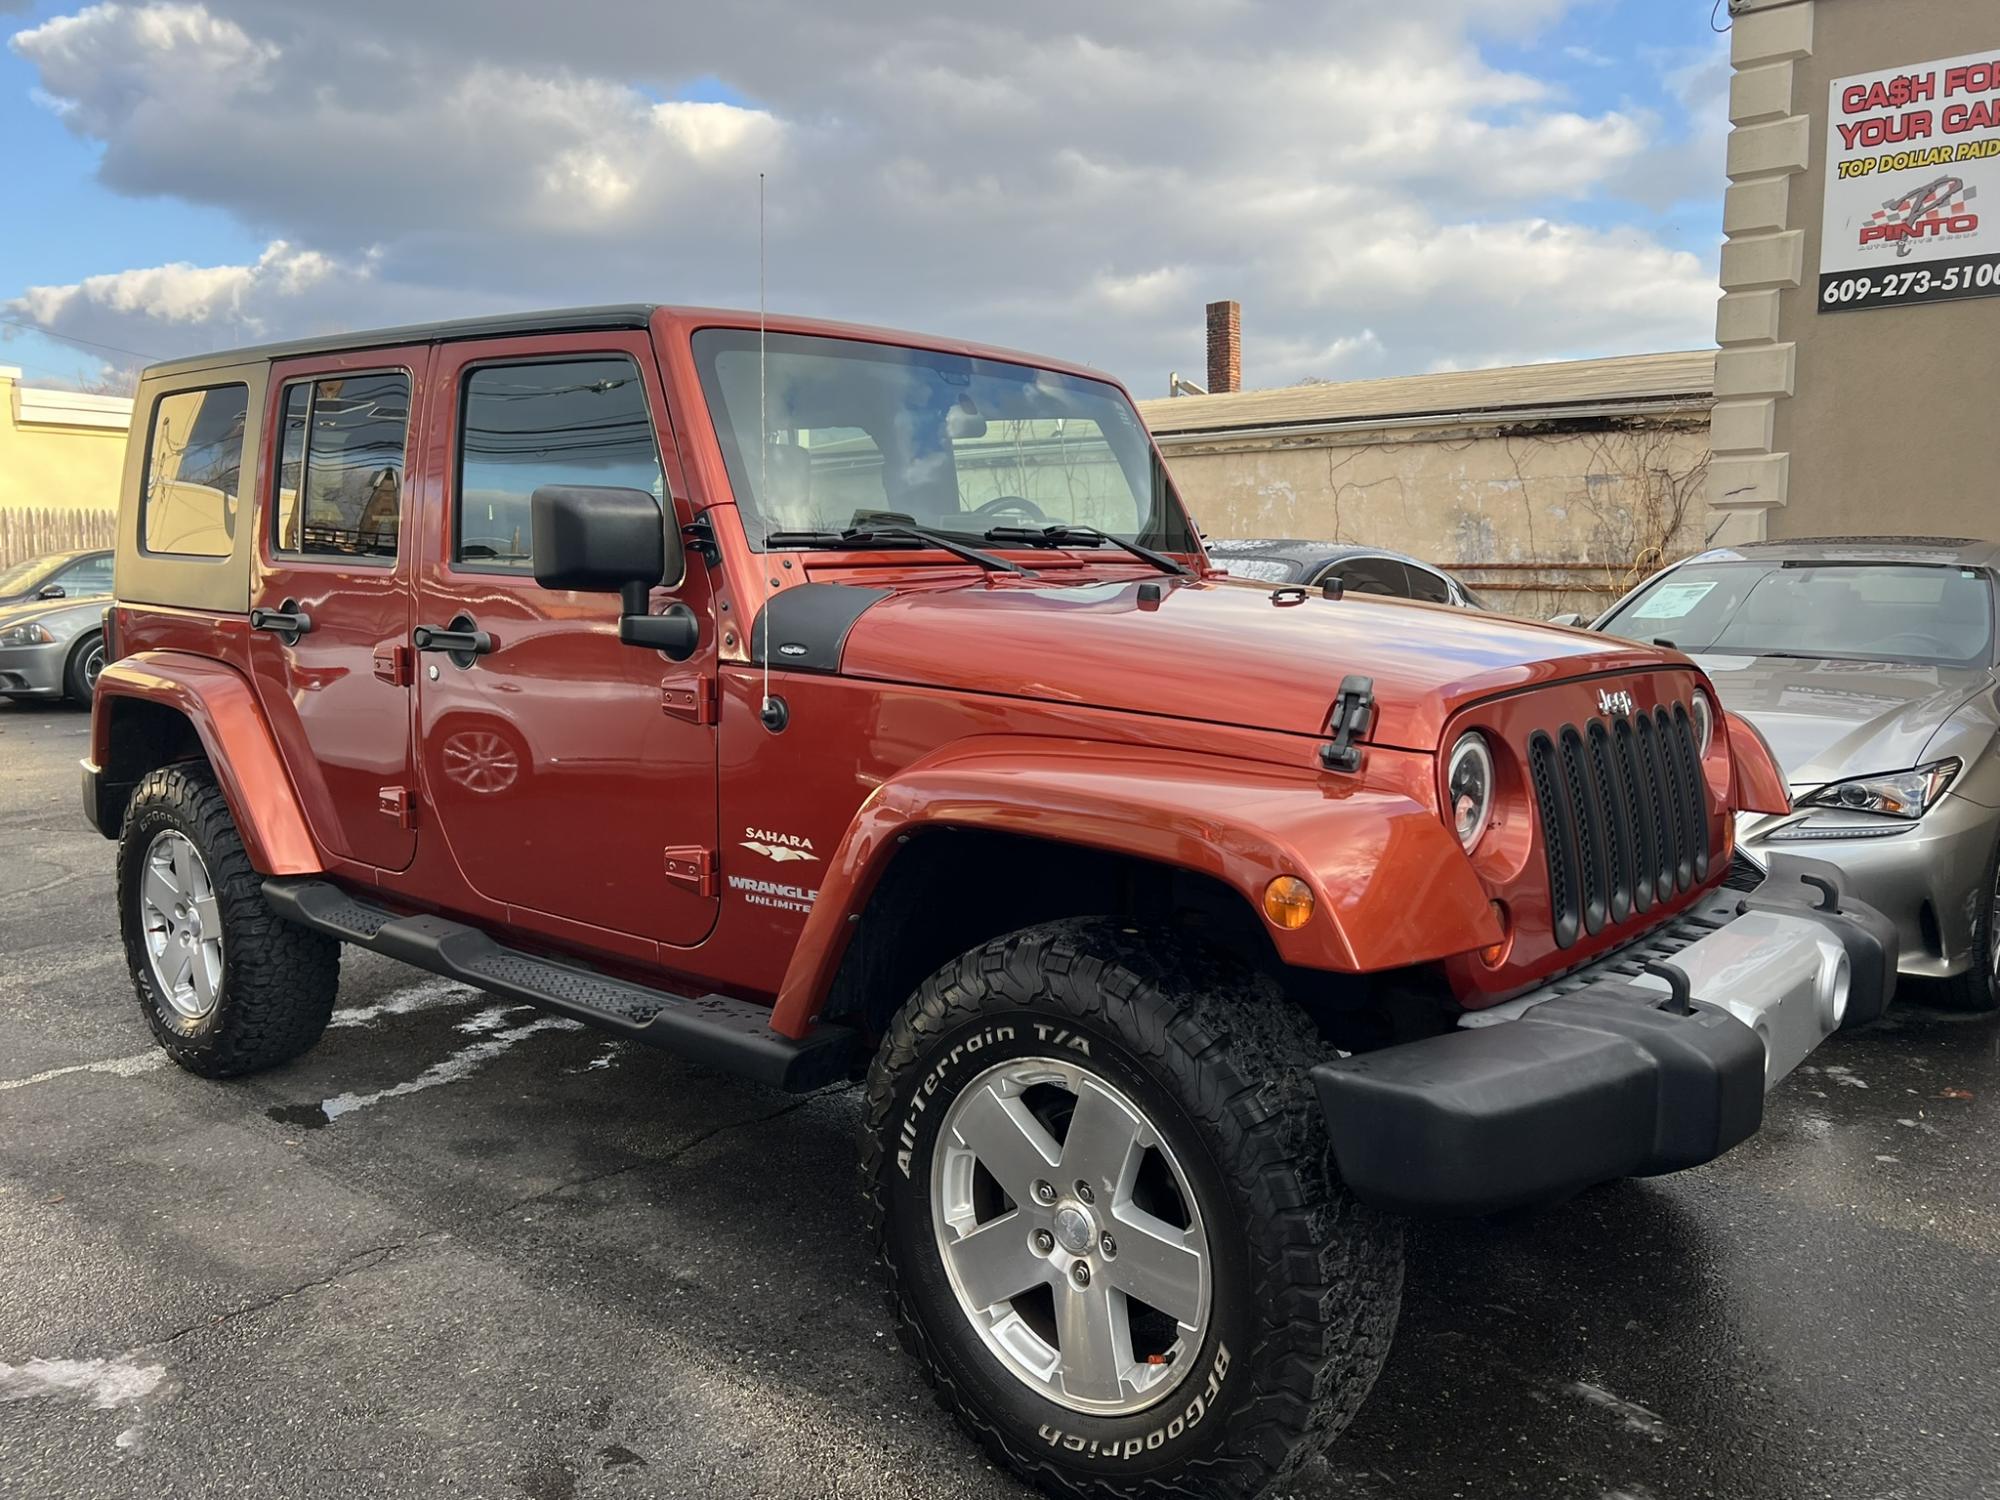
1353 712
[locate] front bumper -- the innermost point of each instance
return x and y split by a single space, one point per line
1928 877
33 671
1603 1074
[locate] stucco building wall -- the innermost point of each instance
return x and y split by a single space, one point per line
1538 517
1848 421
62 456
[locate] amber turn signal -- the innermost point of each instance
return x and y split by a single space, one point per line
1493 954
1288 902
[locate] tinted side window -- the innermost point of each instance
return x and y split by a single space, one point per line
578 421
1427 586
90 576
1372 575
340 466
194 465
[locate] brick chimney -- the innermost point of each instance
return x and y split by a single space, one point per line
1225 347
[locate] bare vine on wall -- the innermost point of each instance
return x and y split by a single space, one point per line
1645 494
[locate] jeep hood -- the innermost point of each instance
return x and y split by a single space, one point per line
1827 720
1219 652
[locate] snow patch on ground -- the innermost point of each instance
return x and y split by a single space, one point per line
428 994
461 1064
118 1067
105 1383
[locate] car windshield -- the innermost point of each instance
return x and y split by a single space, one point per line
857 433
25 575
1902 612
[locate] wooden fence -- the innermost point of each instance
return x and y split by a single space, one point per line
31 532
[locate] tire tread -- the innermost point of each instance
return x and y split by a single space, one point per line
1326 1271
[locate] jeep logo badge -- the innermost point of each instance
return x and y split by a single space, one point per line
1614 703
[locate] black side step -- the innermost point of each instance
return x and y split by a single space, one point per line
718 1031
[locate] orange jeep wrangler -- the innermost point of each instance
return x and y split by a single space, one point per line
812 701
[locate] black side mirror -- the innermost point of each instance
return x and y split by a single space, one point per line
52 591
603 539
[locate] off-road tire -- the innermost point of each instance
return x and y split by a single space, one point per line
1307 1281
1976 990
78 683
278 979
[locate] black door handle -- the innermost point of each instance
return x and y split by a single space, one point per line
462 640
288 622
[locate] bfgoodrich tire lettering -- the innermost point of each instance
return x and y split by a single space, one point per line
1303 1282
277 982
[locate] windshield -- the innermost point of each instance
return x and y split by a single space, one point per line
24 575
1906 612
858 433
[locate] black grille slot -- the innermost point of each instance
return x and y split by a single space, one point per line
1586 817
1554 808
1617 826
1674 783
1624 816
1660 794
1639 809
1692 781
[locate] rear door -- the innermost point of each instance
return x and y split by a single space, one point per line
330 596
571 775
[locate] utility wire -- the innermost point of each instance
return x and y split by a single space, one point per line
70 338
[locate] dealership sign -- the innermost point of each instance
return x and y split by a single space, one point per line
1912 185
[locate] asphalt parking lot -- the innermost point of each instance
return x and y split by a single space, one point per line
466 1248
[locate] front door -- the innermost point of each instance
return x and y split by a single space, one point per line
330 612
571 775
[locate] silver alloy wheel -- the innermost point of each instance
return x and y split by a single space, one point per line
183 924
1082 1218
93 667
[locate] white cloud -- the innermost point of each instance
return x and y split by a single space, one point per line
1078 181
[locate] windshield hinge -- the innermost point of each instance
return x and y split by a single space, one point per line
1353 712
692 866
699 535
689 698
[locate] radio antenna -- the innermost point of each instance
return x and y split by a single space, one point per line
763 440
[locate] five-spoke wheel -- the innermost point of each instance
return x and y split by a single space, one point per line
1071 1235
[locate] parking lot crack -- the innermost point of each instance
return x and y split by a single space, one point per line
363 1260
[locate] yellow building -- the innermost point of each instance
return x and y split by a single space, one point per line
61 457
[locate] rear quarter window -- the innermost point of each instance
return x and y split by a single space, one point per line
194 470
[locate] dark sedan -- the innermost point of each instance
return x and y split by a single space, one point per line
1361 570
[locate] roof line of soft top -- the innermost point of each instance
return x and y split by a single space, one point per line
561 320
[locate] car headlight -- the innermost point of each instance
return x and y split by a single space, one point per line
26 635
1468 782
1704 722
1905 794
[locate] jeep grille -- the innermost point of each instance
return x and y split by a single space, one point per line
1623 818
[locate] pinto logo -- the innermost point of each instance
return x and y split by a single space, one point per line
1933 211
778 847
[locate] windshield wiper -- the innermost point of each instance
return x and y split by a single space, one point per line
899 534
1084 536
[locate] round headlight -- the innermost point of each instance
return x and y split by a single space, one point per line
1704 722
1468 781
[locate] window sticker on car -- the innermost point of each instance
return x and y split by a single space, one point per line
1670 601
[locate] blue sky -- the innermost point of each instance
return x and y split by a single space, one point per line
1083 230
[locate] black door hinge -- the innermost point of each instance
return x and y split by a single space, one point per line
699 534
1353 712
